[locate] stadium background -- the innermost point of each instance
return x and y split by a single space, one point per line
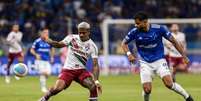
62 16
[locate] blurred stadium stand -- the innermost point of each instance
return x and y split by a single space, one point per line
32 15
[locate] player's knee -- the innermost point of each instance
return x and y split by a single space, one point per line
55 90
169 85
91 86
147 90
45 73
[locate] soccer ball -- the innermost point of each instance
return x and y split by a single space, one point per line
20 69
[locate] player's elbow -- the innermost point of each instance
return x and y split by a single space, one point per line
123 44
32 51
57 46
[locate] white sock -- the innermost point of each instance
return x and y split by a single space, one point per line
146 96
178 89
93 99
42 81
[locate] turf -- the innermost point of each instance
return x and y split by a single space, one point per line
115 88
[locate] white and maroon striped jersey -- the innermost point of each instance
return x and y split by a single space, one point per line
78 52
170 49
14 40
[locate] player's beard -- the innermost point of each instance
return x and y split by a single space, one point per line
141 29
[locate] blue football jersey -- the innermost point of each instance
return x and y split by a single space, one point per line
149 44
42 48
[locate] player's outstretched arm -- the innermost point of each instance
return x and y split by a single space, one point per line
95 68
96 74
55 44
52 52
33 52
179 48
124 46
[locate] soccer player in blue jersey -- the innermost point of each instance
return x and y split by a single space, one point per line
148 39
43 53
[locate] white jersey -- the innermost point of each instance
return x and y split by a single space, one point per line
14 39
78 52
170 49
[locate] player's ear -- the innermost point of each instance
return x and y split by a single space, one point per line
89 31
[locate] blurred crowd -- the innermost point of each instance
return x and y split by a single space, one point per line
32 15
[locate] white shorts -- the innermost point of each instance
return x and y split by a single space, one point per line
43 66
148 70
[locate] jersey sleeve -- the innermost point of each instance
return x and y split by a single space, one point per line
130 36
183 38
67 39
19 37
94 53
10 37
34 45
165 32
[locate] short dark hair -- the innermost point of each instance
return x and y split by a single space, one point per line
141 16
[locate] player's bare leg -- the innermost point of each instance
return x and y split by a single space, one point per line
58 87
174 74
147 90
7 77
43 79
167 80
21 58
90 84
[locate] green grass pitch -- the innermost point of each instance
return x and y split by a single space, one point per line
115 88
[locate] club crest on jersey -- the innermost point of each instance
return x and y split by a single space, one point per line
87 47
140 38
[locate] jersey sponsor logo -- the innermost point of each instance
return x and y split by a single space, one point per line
148 46
43 50
79 52
44 45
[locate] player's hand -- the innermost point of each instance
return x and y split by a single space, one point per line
48 40
99 87
186 60
37 56
131 58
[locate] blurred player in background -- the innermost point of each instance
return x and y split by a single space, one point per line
15 49
80 48
148 39
174 58
43 53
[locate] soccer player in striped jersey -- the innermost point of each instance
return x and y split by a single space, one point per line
14 40
174 58
80 48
